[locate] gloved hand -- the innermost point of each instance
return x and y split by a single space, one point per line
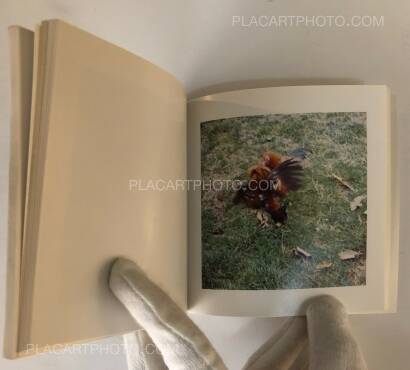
170 340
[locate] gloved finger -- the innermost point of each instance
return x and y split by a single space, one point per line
282 350
332 345
142 353
182 344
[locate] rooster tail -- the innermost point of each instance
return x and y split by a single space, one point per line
290 174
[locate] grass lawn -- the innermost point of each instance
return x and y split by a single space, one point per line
240 252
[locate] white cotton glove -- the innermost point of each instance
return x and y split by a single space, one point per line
321 341
332 345
182 345
142 353
285 350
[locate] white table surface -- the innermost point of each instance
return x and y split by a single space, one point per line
198 43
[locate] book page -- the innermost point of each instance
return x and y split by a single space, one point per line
106 121
294 199
21 62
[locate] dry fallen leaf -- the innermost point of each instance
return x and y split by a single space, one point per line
323 265
302 252
357 202
348 254
343 182
262 218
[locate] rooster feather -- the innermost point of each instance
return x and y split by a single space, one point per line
269 182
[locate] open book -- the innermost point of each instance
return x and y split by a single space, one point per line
240 203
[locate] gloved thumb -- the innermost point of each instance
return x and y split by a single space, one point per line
332 345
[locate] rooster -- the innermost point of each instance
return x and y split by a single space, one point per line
270 181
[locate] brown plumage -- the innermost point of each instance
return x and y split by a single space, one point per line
269 182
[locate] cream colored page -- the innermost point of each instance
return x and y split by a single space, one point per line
21 53
112 117
374 100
